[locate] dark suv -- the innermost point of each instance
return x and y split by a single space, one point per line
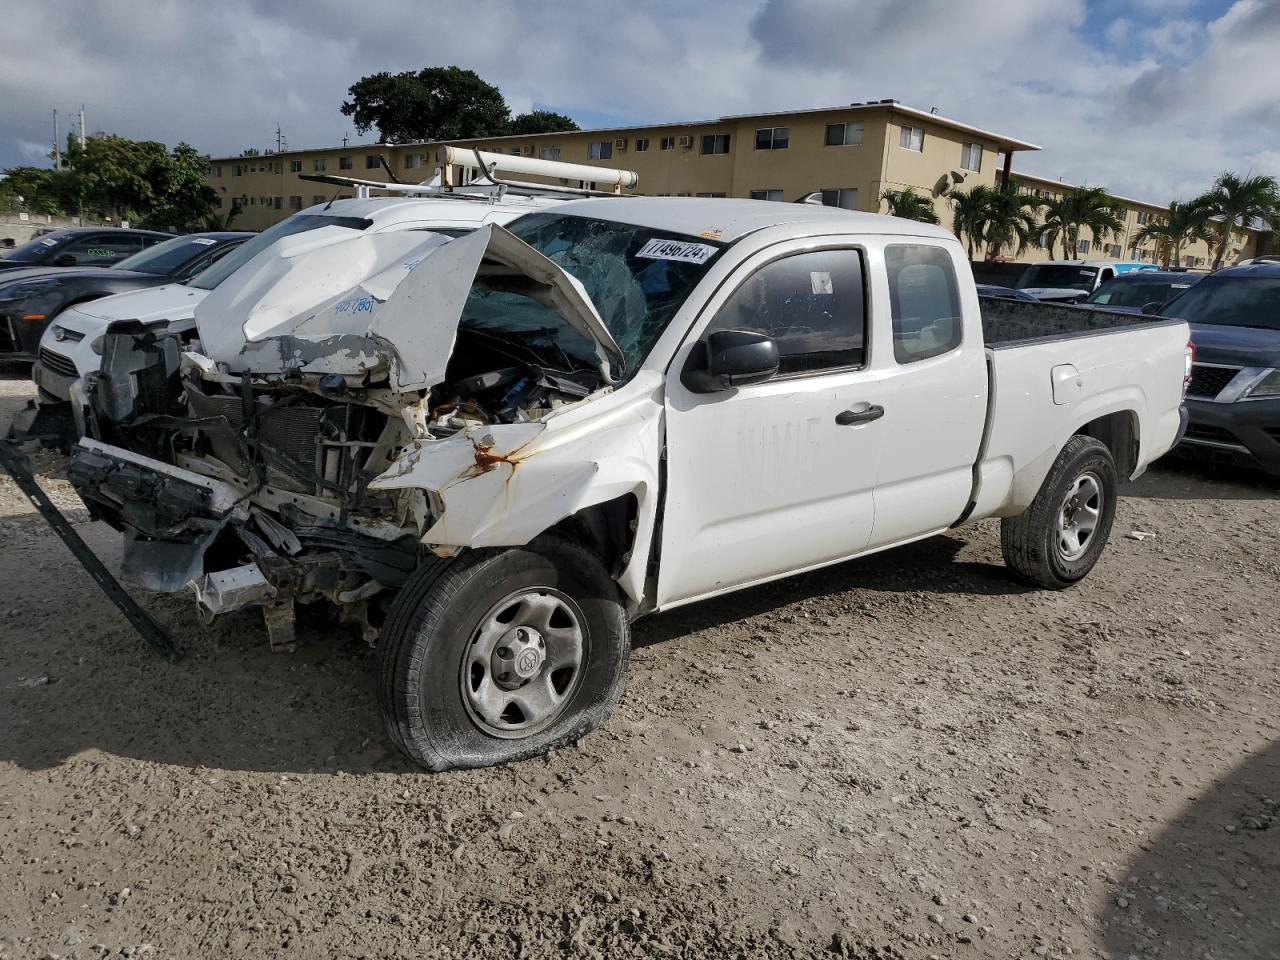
1234 396
80 247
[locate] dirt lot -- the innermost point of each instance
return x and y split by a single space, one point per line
907 756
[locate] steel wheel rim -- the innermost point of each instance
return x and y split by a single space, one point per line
1079 516
523 662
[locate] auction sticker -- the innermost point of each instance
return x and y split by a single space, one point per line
684 250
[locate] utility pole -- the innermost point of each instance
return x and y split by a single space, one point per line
344 140
281 143
57 150
82 126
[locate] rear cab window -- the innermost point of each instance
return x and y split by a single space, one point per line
924 301
811 304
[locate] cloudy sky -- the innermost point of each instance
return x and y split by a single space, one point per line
1150 98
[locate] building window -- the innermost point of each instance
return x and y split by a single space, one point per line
295 203
713 143
549 153
911 138
279 166
775 195
515 151
1082 247
773 138
668 143
971 157
843 197
217 169
844 134
372 161
413 160
295 166
1114 251
586 184
318 164
346 163
709 194
642 144
317 198
600 151
924 301
276 202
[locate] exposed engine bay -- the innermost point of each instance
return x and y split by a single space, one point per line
250 477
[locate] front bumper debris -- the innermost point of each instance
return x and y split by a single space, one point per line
12 459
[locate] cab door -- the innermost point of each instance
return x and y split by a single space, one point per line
773 477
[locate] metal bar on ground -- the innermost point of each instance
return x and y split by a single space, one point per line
15 462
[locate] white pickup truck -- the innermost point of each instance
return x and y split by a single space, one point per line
495 452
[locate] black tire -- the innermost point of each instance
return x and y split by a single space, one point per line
1031 541
432 625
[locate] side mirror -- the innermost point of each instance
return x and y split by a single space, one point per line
64 260
1152 308
729 358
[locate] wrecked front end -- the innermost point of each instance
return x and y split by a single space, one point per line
320 461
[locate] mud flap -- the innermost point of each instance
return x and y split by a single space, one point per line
15 462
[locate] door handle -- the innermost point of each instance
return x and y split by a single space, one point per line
868 413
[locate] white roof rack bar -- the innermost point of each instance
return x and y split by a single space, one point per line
613 180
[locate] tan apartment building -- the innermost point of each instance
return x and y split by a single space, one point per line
1124 245
851 154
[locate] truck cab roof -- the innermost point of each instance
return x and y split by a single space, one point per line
728 220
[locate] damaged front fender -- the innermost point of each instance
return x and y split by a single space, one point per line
503 484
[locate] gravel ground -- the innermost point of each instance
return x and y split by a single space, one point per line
907 756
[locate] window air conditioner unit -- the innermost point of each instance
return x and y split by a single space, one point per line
528 151
620 144
686 142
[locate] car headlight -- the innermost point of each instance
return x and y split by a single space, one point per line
1266 388
27 289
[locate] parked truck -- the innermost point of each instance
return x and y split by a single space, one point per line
495 452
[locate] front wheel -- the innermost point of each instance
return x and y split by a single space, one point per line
500 655
1057 540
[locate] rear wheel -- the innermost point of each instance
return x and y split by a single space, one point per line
1060 537
500 655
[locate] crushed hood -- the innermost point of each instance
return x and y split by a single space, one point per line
390 301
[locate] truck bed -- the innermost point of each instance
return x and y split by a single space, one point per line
1017 322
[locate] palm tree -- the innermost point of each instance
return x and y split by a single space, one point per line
1010 220
1186 223
910 205
968 218
1236 201
1096 209
1055 223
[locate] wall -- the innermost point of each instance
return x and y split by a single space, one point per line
19 230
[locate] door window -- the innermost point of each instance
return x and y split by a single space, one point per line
811 305
102 250
924 301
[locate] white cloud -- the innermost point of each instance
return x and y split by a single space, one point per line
1158 109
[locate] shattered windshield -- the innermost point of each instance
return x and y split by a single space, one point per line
636 277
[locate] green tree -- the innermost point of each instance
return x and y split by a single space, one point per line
1186 223
1095 208
909 205
1010 220
182 199
968 217
117 177
1235 202
42 190
1056 224
542 121
436 103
